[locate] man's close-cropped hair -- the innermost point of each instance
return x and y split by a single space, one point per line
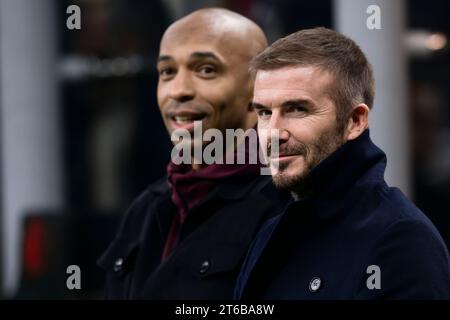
331 51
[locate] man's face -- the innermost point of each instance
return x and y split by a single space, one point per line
295 100
203 76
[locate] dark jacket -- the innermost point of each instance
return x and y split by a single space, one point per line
329 245
213 243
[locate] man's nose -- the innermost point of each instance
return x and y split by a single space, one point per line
278 127
182 88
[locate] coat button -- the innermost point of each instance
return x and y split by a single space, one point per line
118 264
204 267
315 284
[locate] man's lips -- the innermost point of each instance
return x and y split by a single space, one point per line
185 119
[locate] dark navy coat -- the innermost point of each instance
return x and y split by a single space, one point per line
356 238
214 240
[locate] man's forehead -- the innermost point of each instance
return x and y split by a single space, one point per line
293 78
198 41
201 37
189 50
186 31
225 38
205 45
294 71
274 97
298 82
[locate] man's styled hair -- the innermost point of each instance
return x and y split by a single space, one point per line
331 51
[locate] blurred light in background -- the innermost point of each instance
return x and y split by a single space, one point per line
80 67
424 43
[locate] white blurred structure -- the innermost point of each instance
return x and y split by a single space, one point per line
31 159
386 52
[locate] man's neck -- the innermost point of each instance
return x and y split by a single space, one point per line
197 167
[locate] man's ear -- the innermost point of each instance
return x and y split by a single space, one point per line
358 121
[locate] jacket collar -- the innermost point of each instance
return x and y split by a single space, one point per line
228 189
337 177
159 187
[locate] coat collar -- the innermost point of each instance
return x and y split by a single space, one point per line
228 189
337 178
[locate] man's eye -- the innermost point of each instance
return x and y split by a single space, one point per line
298 109
207 71
264 114
165 73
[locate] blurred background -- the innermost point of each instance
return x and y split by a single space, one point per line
81 134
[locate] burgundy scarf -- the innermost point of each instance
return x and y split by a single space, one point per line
189 187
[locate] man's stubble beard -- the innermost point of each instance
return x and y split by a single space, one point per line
299 184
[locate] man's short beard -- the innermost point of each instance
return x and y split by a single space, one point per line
313 154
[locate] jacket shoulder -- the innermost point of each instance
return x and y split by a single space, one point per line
117 258
392 206
131 222
413 261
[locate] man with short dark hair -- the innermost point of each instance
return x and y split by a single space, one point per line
345 234
186 236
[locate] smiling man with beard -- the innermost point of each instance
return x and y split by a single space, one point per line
187 235
345 234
